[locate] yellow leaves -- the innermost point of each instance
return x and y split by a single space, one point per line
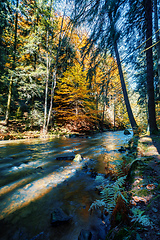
8 65
73 97
24 57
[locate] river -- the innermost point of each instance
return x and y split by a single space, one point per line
33 183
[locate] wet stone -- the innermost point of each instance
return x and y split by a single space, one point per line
126 132
85 235
122 149
77 158
70 157
58 216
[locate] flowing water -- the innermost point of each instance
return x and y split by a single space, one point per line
33 183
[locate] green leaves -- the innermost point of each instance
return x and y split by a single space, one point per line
140 217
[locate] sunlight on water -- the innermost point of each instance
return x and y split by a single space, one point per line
36 189
10 187
33 182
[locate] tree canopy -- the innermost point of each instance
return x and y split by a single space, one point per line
71 68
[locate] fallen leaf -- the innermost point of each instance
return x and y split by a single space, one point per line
150 186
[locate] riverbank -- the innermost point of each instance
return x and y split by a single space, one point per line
143 189
17 129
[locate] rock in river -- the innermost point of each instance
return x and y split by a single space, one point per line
58 216
122 149
77 158
126 132
69 156
85 235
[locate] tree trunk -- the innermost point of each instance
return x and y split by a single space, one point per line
46 89
150 73
54 80
52 96
9 101
157 45
13 67
126 99
105 92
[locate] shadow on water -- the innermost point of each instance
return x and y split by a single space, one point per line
29 198
33 214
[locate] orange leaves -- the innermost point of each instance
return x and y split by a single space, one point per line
74 101
144 199
150 186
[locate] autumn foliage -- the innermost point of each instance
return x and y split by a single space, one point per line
53 80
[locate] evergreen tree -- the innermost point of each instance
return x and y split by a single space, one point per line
156 28
150 74
104 15
140 27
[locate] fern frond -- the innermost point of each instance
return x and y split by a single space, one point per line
98 204
112 192
120 181
135 161
139 217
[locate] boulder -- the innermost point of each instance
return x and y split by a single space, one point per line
122 149
85 235
77 158
58 216
69 156
73 135
126 132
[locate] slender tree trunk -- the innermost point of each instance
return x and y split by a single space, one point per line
105 92
13 67
45 123
158 43
114 113
46 89
9 101
103 114
126 99
54 82
150 73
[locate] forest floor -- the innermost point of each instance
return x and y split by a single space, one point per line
145 188
144 191
16 129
